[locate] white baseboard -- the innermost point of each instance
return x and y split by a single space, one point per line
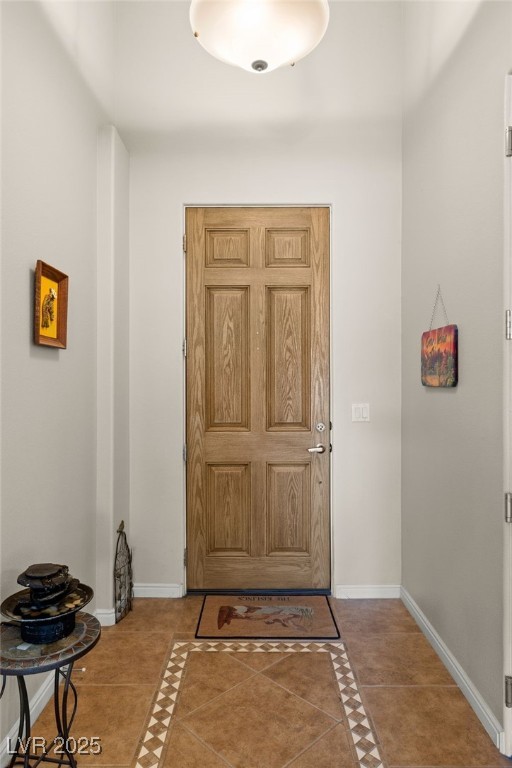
474 697
106 616
158 590
37 703
365 591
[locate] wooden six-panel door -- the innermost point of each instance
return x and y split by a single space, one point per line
257 387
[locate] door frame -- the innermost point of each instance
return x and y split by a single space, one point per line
506 735
186 206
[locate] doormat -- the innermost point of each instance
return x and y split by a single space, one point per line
267 617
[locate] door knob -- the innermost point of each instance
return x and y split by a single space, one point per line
317 449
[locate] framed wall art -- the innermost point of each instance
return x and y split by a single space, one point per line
50 306
439 351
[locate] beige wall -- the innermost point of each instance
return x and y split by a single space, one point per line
452 495
353 163
49 138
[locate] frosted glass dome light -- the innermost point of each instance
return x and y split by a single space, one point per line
259 35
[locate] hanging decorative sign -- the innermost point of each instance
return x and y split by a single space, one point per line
439 352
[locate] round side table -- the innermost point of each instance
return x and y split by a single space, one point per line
19 658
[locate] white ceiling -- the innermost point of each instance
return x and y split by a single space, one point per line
153 78
165 81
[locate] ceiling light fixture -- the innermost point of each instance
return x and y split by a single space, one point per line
259 35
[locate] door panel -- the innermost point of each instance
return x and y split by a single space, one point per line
257 384
227 355
288 359
229 500
288 508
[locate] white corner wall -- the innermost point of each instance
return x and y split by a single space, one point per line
456 59
113 375
352 163
49 146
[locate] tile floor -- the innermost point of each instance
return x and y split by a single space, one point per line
158 698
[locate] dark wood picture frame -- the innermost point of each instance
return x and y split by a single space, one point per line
50 306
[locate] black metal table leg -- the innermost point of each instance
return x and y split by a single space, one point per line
61 744
60 703
21 755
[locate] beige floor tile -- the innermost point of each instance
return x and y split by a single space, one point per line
114 714
395 659
373 616
101 765
260 661
428 727
162 614
206 676
330 751
124 658
310 676
258 725
185 751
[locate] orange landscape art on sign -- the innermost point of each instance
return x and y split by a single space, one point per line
439 357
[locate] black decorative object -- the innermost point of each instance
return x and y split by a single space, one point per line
45 581
45 612
123 577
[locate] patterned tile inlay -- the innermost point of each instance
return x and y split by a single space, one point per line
157 728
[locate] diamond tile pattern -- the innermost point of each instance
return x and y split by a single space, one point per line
241 701
157 697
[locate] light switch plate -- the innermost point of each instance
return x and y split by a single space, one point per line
360 411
